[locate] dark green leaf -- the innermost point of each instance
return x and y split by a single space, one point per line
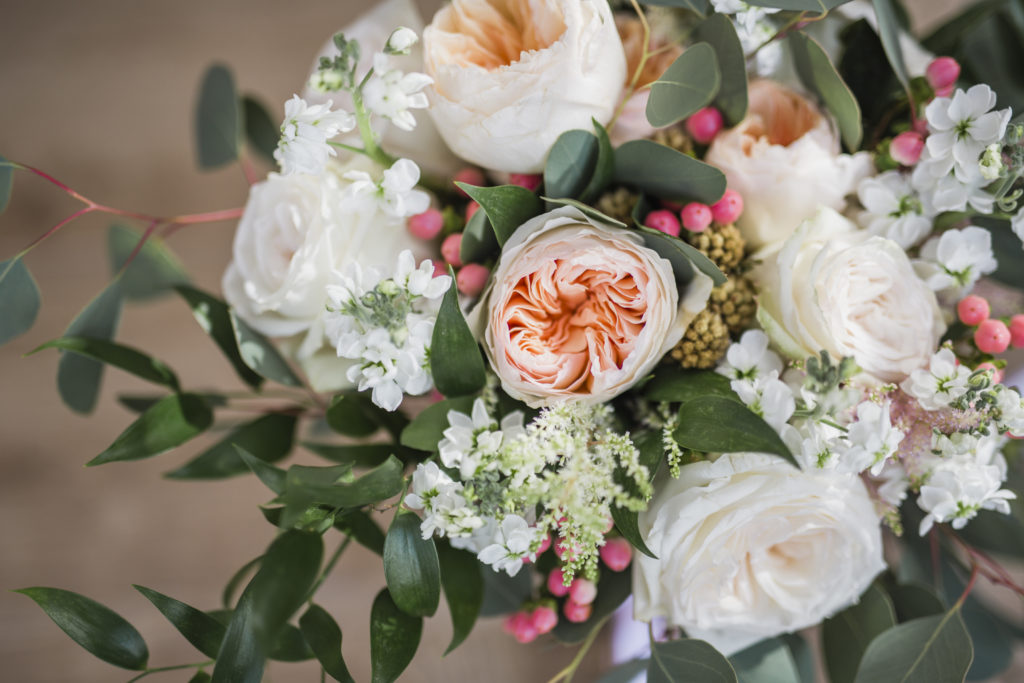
504 594
240 658
800 650
19 296
376 485
273 478
98 629
996 532
291 646
652 451
123 357
203 631
719 32
354 414
394 638
507 206
200 677
991 51
78 377
846 636
604 169
218 119
214 317
570 164
769 660
360 455
945 40
720 425
613 589
820 76
324 637
153 271
411 567
228 596
690 83
260 130
461 577
934 649
993 642
268 438
6 183
688 661
889 32
698 6
260 355
1011 257
912 601
667 174
361 527
820 6
455 359
586 210
282 584
140 403
678 385
427 429
478 241
168 424
681 255
625 672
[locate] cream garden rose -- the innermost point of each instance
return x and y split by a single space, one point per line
750 547
784 159
510 76
578 310
834 287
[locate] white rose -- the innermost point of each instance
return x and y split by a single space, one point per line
837 288
295 231
784 159
750 547
510 76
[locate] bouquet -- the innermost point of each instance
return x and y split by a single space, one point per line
700 307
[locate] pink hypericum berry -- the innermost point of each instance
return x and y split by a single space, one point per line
471 279
992 336
562 550
511 623
426 225
544 545
576 613
469 176
555 585
520 625
471 208
544 619
997 374
704 124
906 148
440 268
696 217
616 553
582 591
663 220
727 209
531 181
973 310
450 249
942 74
1017 331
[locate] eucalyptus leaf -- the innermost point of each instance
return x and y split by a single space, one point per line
260 355
153 271
6 184
688 661
463 586
719 32
394 638
79 377
411 567
214 317
625 672
571 164
479 243
218 119
168 424
19 296
946 38
123 357
507 207
268 438
97 628
912 601
889 32
818 74
847 635
200 629
427 429
666 173
613 589
769 660
674 384
802 655
604 168
586 210
681 255
690 83
260 130
455 360
324 638
935 649
720 425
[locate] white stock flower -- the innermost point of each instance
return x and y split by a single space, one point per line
958 259
303 147
469 439
395 193
893 209
511 545
391 93
749 358
958 489
893 484
750 547
1009 411
873 438
428 481
401 41
769 397
962 126
510 76
815 445
940 189
941 383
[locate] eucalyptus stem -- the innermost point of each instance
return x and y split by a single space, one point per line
568 672
644 56
176 667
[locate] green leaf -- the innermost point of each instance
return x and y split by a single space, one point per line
479 243
604 169
625 672
586 210
461 577
360 455
934 649
260 130
19 297
719 32
613 589
200 677
287 572
507 206
6 183
218 118
681 255
912 601
78 377
411 567
123 357
699 6
889 32
993 642
690 83
688 661
996 532
820 6
200 629
240 658
291 646
571 164
667 174
376 485
228 595
504 594
214 317
455 360
721 425
274 478
769 660
818 74
652 451
946 39
168 424
324 638
153 271
674 384
800 650
427 429
354 414
361 527
846 636
260 355
98 629
268 438
394 638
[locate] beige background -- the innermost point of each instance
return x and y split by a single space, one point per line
100 93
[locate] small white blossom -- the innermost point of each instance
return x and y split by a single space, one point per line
815 445
893 484
957 491
873 439
961 258
769 397
991 163
512 544
391 93
400 40
893 209
750 359
470 439
940 384
396 192
962 126
1009 411
427 482
941 189
1017 223
303 147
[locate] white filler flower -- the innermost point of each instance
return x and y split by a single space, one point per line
303 147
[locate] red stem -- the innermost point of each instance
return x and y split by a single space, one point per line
969 586
58 226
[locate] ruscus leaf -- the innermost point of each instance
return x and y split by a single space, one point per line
122 357
168 424
411 567
200 629
78 377
324 638
819 75
427 429
719 425
394 638
214 317
455 359
463 589
268 438
260 355
678 385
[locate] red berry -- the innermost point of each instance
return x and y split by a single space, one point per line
617 554
450 249
469 176
472 278
696 217
576 613
663 220
426 225
555 583
1017 331
727 209
973 310
544 619
704 124
992 336
531 181
582 591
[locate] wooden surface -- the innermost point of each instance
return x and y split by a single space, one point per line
101 95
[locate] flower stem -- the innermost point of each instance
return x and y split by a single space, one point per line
176 667
568 672
328 568
369 138
645 54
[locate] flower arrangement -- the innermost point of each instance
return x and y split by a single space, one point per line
699 298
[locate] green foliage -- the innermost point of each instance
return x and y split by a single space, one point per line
153 271
98 629
478 240
455 359
716 424
846 636
507 207
168 424
19 296
676 250
268 438
504 594
612 591
411 567
360 526
889 33
79 377
272 477
935 649
719 32
864 67
819 75
240 659
218 119
354 414
394 638
260 131
699 6
770 660
625 672
580 165
463 583
687 661
800 650
946 39
260 355
214 318
674 384
200 629
359 455
123 357
588 211
324 638
691 82
307 487
427 429
912 601
6 183
652 452
665 173
819 6
286 575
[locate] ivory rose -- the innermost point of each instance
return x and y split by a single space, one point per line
510 76
749 547
784 159
578 310
837 288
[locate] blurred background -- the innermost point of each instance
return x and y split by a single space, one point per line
101 94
